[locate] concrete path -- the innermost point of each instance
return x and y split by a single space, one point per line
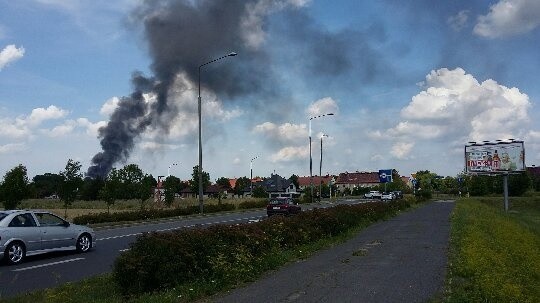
400 260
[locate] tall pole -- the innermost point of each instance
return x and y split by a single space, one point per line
320 171
201 192
251 176
169 169
505 184
310 158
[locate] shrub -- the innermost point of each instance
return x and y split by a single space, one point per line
231 252
252 204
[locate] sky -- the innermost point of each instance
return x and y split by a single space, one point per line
110 83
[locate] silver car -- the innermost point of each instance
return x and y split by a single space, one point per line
31 232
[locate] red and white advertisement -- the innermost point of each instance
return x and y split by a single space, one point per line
495 157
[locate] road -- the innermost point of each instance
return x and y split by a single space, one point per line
45 271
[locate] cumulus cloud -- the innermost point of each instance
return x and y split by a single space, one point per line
39 115
109 106
401 150
456 107
290 153
508 18
323 106
10 54
11 147
285 133
155 146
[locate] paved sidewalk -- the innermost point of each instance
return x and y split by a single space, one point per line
400 260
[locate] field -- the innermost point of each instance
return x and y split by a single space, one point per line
495 256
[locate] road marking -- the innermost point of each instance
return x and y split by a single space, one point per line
123 250
121 236
48 264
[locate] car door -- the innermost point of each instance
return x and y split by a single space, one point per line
55 231
24 227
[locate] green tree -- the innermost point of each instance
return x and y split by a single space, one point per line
131 176
172 185
71 182
195 180
241 184
46 185
224 183
145 189
109 191
259 192
14 187
90 188
294 179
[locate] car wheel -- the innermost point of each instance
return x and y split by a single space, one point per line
84 243
15 253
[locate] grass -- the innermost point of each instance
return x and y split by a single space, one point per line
495 256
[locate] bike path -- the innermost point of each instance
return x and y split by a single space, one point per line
402 259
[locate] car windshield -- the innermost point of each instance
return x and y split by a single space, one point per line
279 201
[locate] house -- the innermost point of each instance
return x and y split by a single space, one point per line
534 171
349 181
304 182
277 186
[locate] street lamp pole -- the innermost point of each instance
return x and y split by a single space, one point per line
310 158
251 176
320 171
201 192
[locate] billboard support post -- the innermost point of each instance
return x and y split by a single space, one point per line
505 184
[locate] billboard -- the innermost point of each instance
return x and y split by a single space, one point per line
500 157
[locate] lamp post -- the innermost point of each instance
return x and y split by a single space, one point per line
169 169
251 176
232 54
320 170
310 158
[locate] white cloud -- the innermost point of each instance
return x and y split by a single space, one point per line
60 130
109 106
401 150
284 133
92 129
459 21
508 18
290 153
12 147
236 161
10 54
323 106
40 114
13 129
376 157
153 146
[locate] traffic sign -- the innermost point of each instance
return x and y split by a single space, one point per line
385 175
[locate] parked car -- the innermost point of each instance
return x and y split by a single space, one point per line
282 206
30 232
387 196
398 194
373 195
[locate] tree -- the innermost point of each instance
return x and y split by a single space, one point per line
241 184
46 185
90 188
131 176
172 185
224 183
110 189
15 187
71 182
145 189
294 180
259 192
195 180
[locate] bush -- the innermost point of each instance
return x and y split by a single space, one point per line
253 204
232 252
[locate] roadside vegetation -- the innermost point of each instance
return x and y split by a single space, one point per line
191 264
495 256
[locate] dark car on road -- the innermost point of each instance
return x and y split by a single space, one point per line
282 206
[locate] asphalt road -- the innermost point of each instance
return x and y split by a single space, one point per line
400 260
45 271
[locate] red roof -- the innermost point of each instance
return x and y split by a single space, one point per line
304 181
358 178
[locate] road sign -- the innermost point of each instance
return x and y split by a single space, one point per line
385 175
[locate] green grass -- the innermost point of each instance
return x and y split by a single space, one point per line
495 256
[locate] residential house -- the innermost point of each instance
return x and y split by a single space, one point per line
304 182
277 186
349 181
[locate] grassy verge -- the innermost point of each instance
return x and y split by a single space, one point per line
494 256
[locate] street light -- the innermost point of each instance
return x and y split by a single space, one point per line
310 158
200 136
320 170
251 176
169 169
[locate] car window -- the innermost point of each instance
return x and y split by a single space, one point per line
23 220
46 219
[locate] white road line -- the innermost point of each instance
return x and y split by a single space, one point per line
48 264
123 250
121 236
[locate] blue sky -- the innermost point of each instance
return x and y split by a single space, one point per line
410 82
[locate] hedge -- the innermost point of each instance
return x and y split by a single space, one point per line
164 260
